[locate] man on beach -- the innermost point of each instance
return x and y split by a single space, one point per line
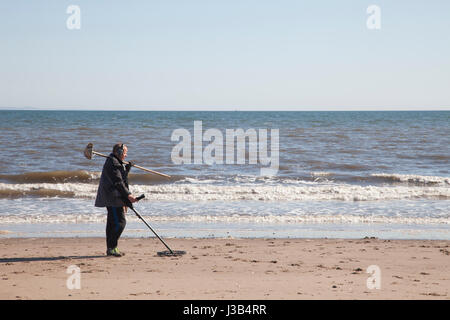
112 193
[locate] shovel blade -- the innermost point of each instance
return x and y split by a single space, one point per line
88 151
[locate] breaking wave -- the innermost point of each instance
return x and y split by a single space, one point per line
211 192
52 176
415 179
82 176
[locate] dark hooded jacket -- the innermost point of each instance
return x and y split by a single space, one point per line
113 185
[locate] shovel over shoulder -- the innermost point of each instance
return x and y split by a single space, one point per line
89 152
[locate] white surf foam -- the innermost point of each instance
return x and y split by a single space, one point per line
234 218
414 178
210 192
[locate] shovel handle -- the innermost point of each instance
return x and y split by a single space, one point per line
135 165
148 170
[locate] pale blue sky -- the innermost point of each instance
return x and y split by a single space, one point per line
228 54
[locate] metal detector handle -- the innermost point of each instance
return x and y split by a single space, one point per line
142 196
129 204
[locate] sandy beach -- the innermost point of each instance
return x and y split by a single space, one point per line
44 268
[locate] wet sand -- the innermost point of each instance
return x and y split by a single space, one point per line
40 268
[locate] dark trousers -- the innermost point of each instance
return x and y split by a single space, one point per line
114 225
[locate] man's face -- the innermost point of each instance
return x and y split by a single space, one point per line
124 154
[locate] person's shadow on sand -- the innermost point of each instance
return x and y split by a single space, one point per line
31 259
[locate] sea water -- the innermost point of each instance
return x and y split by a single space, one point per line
339 174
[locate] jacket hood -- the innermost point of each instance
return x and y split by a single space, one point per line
114 158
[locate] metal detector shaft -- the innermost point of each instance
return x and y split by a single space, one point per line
139 216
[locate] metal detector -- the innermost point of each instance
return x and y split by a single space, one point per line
170 252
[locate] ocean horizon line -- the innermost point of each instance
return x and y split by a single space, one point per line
133 109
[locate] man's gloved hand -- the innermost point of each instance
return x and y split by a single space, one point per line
129 165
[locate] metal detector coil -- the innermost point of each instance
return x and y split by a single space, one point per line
173 253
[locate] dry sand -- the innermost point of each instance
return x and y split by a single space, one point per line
36 268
